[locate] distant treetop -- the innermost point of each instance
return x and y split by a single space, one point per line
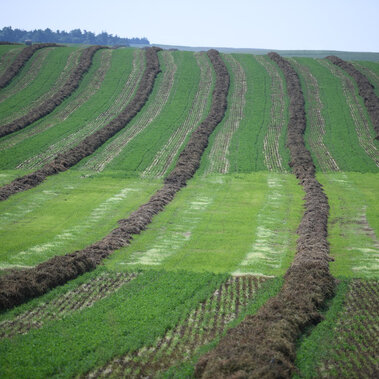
61 36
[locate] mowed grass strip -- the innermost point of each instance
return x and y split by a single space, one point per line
353 223
246 148
140 152
316 129
16 102
99 98
66 213
132 317
345 343
340 137
371 71
217 154
157 100
213 223
7 54
88 87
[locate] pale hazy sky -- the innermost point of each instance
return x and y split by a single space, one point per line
351 25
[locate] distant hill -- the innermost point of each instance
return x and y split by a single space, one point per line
61 36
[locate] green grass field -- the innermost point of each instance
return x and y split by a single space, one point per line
219 250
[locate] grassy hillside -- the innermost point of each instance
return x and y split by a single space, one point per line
220 249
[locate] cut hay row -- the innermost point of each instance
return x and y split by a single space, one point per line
20 61
72 60
366 90
101 159
69 141
57 98
7 58
84 296
370 74
264 345
29 76
272 157
166 155
20 286
316 124
354 351
218 156
86 147
357 111
66 109
202 325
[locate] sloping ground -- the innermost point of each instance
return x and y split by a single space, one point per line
19 62
38 81
57 98
366 90
345 117
345 344
20 286
7 55
264 345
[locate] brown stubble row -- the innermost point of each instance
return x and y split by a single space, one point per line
84 296
20 62
20 286
201 326
366 90
264 345
57 98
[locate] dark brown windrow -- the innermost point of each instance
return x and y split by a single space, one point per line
91 143
263 345
57 98
366 90
20 286
9 43
20 62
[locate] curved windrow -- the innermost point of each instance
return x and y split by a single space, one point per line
23 285
88 145
57 98
20 61
264 345
366 90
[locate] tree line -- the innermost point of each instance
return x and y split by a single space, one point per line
60 36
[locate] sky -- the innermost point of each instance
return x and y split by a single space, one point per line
349 25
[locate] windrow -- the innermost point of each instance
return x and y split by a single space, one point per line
20 286
20 61
57 98
91 143
366 90
263 345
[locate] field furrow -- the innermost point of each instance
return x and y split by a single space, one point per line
7 57
83 296
218 155
316 123
100 160
99 122
357 110
203 324
272 157
166 156
72 61
67 109
354 351
25 78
